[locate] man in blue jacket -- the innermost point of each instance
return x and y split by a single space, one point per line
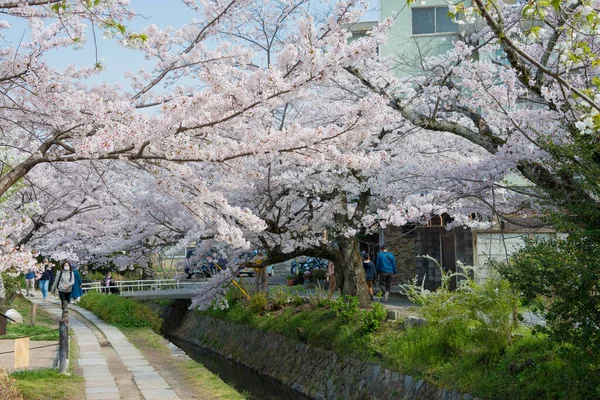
386 267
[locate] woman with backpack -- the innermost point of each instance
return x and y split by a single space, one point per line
63 283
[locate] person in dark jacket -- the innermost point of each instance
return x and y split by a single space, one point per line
77 292
109 285
370 273
386 266
45 279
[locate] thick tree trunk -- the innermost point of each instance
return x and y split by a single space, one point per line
349 272
260 280
147 272
265 282
19 171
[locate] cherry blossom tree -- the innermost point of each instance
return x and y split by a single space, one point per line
60 119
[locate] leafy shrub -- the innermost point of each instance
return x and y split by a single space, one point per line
318 297
319 274
297 298
561 279
121 311
280 297
235 294
474 312
258 302
345 307
8 388
11 285
96 276
372 319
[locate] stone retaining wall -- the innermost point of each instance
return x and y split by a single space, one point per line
314 372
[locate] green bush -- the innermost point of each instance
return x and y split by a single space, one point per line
280 297
121 311
319 274
561 280
473 311
372 319
345 307
258 302
11 285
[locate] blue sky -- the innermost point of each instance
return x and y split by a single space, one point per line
116 59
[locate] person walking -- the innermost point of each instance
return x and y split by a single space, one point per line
77 292
30 282
386 267
370 273
45 279
63 283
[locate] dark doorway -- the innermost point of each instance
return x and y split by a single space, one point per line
449 258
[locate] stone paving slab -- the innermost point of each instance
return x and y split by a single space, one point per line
91 359
159 394
89 390
99 382
147 379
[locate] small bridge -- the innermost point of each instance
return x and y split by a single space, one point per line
151 288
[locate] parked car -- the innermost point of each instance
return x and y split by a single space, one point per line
252 271
249 258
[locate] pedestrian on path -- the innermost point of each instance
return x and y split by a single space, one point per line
77 292
386 267
63 283
370 273
45 279
30 282
109 284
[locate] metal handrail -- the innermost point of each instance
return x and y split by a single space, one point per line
148 284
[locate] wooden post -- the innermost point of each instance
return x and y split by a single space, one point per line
63 339
33 312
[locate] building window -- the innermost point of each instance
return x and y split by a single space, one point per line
432 20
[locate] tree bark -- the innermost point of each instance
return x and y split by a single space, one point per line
265 282
349 271
147 272
18 172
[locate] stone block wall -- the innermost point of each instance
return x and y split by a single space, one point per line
314 372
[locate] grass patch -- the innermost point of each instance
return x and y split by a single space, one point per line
36 333
204 383
49 384
24 307
44 322
121 311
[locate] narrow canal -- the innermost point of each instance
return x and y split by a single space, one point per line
255 386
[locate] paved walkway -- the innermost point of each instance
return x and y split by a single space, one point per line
112 367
